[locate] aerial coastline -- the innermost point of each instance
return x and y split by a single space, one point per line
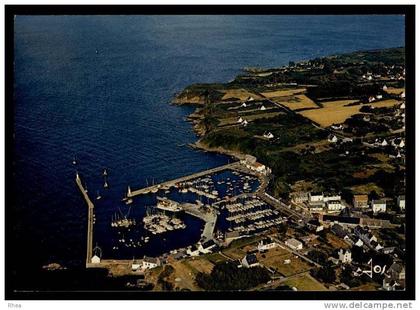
322 221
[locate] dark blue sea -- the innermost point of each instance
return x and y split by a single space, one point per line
112 108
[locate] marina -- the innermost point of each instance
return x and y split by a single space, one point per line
167 210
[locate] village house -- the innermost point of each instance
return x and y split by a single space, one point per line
263 108
96 259
317 206
360 201
268 135
388 250
316 197
359 243
379 206
337 127
401 202
150 262
345 256
249 261
266 244
294 244
251 163
207 246
332 197
332 139
334 206
193 250
299 197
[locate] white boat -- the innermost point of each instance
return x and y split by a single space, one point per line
98 196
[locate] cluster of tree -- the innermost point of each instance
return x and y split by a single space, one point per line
163 276
227 276
357 125
326 274
318 257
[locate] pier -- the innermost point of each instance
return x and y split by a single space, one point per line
168 184
209 218
91 207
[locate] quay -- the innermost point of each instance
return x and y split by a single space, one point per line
209 218
167 184
91 207
281 206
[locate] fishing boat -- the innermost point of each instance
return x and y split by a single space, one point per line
98 196
106 184
105 173
74 160
122 221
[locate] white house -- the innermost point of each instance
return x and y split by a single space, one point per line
266 244
250 99
334 206
402 143
402 94
96 259
206 247
268 135
251 163
378 206
345 256
402 106
332 139
150 262
294 244
316 197
384 88
401 202
193 250
263 108
378 96
337 127
359 243
332 197
240 120
245 122
243 105
249 261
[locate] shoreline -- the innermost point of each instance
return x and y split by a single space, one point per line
198 145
